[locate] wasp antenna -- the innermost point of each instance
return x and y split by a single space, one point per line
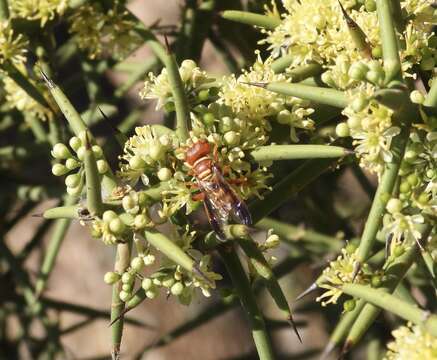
313 287
49 82
293 325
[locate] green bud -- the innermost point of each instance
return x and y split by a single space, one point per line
151 294
168 282
376 281
349 305
189 64
203 95
75 143
111 277
232 138
430 173
353 122
413 179
60 151
36 193
109 215
81 153
169 107
177 289
149 259
351 247
147 284
140 221
164 174
127 287
208 119
342 130
398 250
137 263
102 166
143 199
284 117
405 187
72 180
76 191
377 52
423 198
394 206
385 197
59 169
417 97
127 278
370 5
359 104
117 226
374 77
97 150
124 295
72 164
358 71
185 74
156 151
136 162
128 202
410 156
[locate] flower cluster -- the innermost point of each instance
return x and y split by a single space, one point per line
102 32
42 10
411 342
74 163
12 46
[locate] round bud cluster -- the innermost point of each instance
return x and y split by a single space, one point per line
371 72
110 228
72 162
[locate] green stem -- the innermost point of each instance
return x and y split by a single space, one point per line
244 291
397 16
60 229
389 41
92 178
122 261
394 274
4 10
244 17
289 186
294 234
392 304
281 64
288 152
37 128
388 180
320 95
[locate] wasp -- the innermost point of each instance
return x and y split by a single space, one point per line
220 200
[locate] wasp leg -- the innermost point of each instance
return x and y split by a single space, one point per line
214 222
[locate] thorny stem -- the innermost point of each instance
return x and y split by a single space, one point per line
248 301
288 152
390 51
244 17
391 303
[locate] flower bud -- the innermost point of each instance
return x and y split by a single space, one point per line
81 153
376 281
75 143
417 97
272 241
140 221
72 180
74 191
177 289
147 284
97 150
349 305
374 77
137 263
136 162
117 226
284 117
185 74
342 130
128 202
127 287
354 122
127 278
149 259
124 295
111 277
60 151
358 71
189 64
151 294
59 169
109 215
156 150
232 138
413 179
359 104
203 95
377 52
394 206
102 166
208 119
72 164
164 174
370 5
168 282
423 198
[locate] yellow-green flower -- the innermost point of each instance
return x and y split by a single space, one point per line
12 46
411 342
42 10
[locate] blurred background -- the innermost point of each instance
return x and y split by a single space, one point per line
76 284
